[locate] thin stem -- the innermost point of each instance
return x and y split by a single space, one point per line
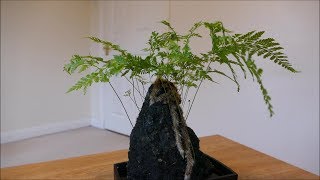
134 97
95 58
188 106
102 61
138 88
189 109
134 103
194 99
132 84
121 103
150 78
181 92
144 89
185 95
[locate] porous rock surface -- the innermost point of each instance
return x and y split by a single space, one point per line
153 152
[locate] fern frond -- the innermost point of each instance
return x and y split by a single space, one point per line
108 44
168 25
223 74
256 36
75 62
273 51
257 72
252 43
241 64
85 82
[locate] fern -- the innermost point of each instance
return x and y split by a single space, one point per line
267 48
258 73
170 56
108 44
85 82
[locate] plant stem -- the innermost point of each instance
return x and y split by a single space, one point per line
135 87
121 103
134 103
181 92
134 97
144 89
189 109
185 95
138 88
194 97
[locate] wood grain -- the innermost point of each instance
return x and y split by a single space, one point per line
248 163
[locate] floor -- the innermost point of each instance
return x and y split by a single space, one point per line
78 142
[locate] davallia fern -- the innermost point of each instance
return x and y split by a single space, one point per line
170 57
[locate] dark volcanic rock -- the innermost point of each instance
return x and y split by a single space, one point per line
153 152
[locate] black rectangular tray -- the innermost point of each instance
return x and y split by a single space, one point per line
222 172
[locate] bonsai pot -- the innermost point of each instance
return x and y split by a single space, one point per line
222 172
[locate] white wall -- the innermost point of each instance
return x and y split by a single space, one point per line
124 23
292 135
37 39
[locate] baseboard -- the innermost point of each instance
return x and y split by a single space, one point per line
97 123
42 130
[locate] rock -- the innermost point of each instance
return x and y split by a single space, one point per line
161 145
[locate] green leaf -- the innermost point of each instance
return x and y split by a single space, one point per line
85 82
222 73
83 68
167 24
256 36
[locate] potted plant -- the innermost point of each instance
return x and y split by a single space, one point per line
162 146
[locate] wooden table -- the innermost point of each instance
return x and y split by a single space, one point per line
248 163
